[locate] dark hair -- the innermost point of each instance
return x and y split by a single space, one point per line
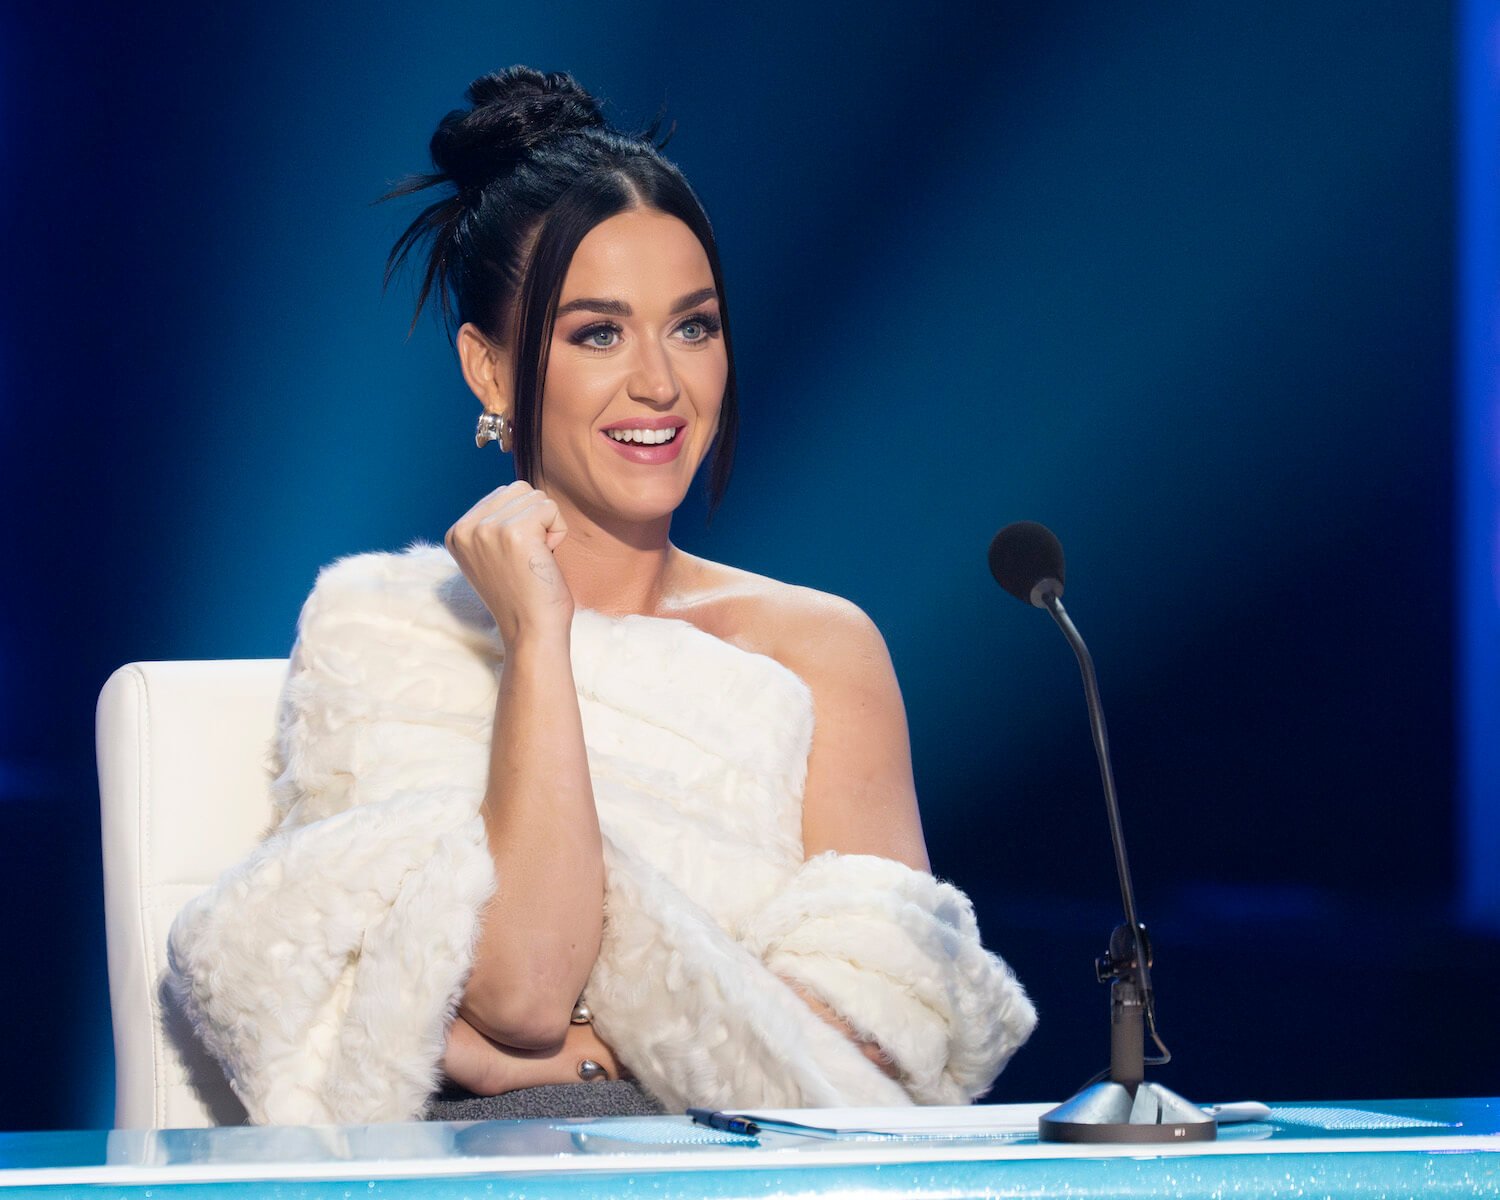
534 166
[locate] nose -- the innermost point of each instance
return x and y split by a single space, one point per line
654 381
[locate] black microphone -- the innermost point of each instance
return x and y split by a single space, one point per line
1026 559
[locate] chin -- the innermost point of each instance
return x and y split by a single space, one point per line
645 509
638 505
645 499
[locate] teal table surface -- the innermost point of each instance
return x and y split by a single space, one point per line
1326 1148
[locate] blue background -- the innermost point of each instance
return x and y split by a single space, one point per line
1176 279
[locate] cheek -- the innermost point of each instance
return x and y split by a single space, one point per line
708 412
575 393
564 378
709 379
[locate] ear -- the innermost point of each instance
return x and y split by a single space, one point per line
486 368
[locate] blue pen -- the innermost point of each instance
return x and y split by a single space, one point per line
723 1121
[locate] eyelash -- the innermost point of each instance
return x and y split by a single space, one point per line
711 324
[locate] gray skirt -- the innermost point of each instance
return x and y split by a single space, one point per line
601 1098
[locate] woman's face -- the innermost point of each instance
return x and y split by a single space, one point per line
636 370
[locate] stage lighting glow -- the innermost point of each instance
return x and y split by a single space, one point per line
1478 459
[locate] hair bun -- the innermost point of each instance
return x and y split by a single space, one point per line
513 110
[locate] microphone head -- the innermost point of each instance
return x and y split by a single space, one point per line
1023 555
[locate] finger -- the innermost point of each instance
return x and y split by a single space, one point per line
534 506
503 495
532 516
539 506
557 529
501 509
487 505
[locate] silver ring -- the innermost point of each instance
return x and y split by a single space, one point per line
589 1071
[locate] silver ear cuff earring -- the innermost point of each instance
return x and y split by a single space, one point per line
494 427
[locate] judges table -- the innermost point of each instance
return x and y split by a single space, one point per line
1361 1148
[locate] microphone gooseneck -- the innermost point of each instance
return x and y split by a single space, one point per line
1026 559
1054 605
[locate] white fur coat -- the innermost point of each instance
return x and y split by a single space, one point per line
324 970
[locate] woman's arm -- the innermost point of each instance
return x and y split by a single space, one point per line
860 796
891 954
488 1068
540 932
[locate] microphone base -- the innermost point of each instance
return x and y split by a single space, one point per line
1111 1112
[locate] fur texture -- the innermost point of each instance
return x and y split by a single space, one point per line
325 969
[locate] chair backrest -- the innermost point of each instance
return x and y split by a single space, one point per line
184 791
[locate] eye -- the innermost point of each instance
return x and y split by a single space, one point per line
588 336
705 323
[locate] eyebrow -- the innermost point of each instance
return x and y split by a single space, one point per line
620 309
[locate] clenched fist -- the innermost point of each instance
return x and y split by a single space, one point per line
504 547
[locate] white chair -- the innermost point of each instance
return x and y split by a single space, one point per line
184 775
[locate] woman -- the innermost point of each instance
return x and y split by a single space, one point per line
561 804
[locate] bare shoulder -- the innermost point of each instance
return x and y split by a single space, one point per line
859 796
801 627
